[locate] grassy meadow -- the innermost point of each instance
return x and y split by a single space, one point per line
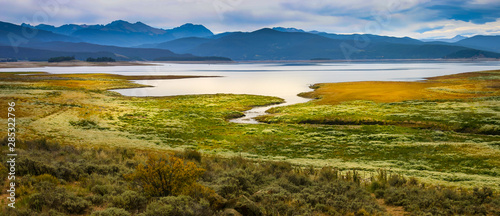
383 147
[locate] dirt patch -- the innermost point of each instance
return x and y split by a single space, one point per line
392 210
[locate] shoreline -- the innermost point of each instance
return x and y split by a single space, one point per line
34 64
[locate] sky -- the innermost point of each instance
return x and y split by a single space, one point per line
413 18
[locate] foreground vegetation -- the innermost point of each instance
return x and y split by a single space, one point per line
58 180
430 148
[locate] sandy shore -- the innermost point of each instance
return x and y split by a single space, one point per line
68 64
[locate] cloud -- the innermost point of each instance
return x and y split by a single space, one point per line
426 29
478 15
418 18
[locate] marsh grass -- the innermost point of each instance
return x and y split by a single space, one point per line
440 141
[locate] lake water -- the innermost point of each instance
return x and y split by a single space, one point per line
284 80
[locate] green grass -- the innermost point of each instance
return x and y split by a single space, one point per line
447 141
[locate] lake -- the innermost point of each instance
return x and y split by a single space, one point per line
284 80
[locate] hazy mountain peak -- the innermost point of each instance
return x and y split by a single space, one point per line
119 22
45 26
190 30
448 40
26 25
124 26
283 29
266 30
458 37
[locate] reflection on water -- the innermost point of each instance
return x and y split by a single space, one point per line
284 80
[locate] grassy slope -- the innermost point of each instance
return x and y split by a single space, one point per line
444 141
445 128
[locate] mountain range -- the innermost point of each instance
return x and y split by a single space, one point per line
122 33
127 41
277 44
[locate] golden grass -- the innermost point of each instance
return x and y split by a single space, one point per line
458 86
95 81
46 112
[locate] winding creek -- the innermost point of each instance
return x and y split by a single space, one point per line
284 80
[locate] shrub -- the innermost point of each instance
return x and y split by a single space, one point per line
328 174
34 167
129 200
298 179
19 212
179 206
96 199
53 212
396 180
278 168
43 144
101 59
61 59
341 196
56 198
483 195
431 201
192 154
125 153
164 176
36 201
75 205
48 178
198 192
86 124
246 207
102 189
3 172
111 212
489 129
376 185
238 182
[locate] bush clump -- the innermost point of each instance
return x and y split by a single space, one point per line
178 205
101 59
86 124
129 200
61 59
111 212
165 176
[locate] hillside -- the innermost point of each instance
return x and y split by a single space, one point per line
482 42
82 51
30 54
15 34
122 53
182 45
268 44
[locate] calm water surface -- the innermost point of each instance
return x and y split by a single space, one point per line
284 80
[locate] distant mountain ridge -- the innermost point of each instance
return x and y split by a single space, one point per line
26 43
484 42
15 35
123 33
447 40
138 41
81 51
272 44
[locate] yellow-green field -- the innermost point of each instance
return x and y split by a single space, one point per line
442 131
